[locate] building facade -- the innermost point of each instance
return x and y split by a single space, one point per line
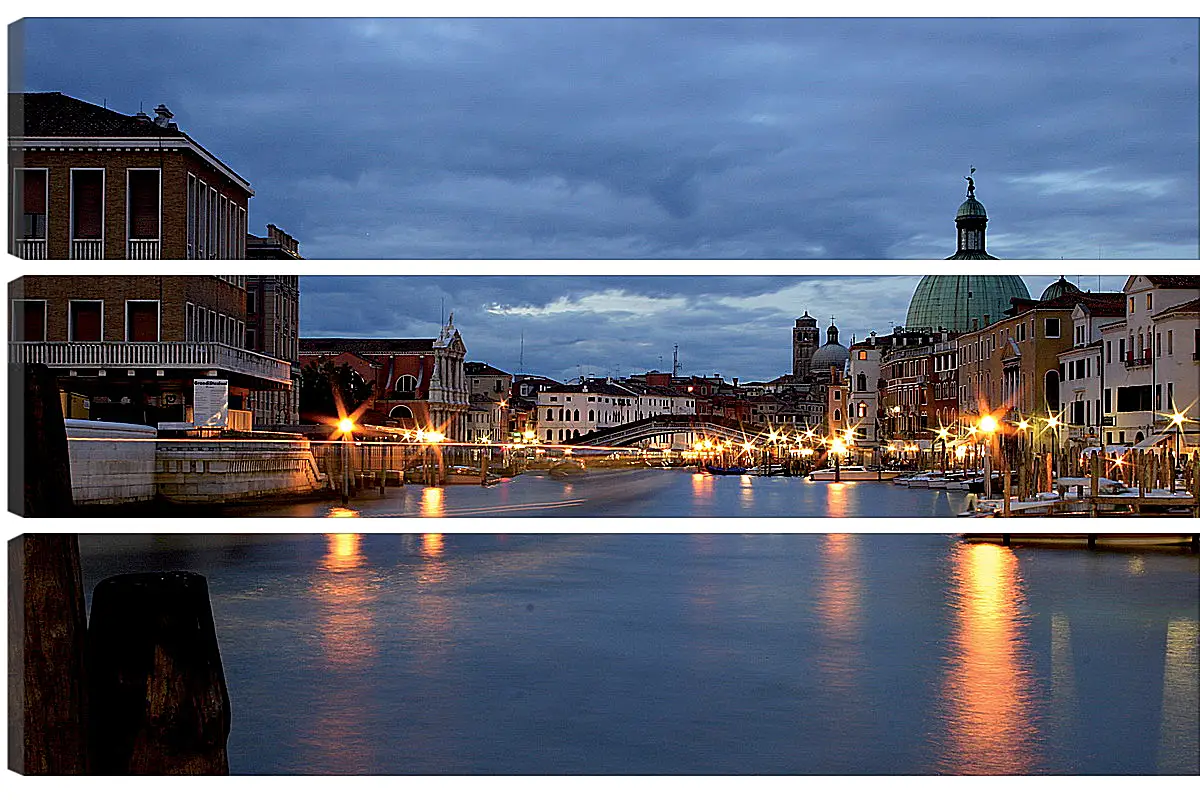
129 346
418 383
89 183
1150 358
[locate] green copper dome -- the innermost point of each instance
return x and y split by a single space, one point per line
971 208
1058 289
953 301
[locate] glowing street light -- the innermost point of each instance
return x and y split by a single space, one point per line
345 425
987 424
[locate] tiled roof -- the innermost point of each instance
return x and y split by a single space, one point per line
481 368
52 114
328 345
1175 281
1190 307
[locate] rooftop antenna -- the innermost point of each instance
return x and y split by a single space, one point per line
443 309
675 365
522 367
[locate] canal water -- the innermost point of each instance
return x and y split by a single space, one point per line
649 654
638 493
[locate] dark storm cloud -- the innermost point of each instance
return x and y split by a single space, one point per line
735 326
671 138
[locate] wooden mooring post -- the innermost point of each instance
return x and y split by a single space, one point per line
158 700
39 466
47 704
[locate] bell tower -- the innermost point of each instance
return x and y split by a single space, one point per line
804 344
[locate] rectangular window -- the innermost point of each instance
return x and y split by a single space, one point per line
1171 396
141 320
862 355
87 204
1158 397
1149 300
1052 328
1133 398
86 320
1108 401
213 198
1131 307
29 320
30 195
212 326
143 202
1170 343
1122 354
191 215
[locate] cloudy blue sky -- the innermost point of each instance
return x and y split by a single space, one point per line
616 325
669 138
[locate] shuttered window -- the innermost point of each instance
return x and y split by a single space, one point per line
87 203
31 189
143 203
141 320
29 320
86 318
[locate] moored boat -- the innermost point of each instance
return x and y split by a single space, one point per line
852 473
713 469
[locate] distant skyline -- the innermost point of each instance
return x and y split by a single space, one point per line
738 326
669 138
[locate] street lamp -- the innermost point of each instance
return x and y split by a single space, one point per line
837 450
988 426
345 427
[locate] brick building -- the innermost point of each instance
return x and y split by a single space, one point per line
87 182
273 322
126 348
419 383
1013 364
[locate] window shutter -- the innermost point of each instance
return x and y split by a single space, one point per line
33 191
143 321
143 204
88 206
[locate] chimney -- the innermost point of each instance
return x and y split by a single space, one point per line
142 117
163 116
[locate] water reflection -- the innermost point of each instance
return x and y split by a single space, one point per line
990 727
1179 742
338 511
839 612
702 486
838 500
342 740
432 501
1062 681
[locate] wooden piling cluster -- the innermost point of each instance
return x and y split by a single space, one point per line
1145 471
139 691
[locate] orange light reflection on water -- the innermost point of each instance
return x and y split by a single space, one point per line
341 741
838 502
432 500
839 610
990 726
702 486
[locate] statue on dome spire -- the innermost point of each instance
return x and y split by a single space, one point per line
970 183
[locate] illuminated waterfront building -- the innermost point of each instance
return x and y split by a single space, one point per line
1152 359
418 383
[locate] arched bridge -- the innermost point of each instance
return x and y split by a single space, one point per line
700 426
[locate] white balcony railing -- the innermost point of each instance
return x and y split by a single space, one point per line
151 355
143 249
30 248
87 249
